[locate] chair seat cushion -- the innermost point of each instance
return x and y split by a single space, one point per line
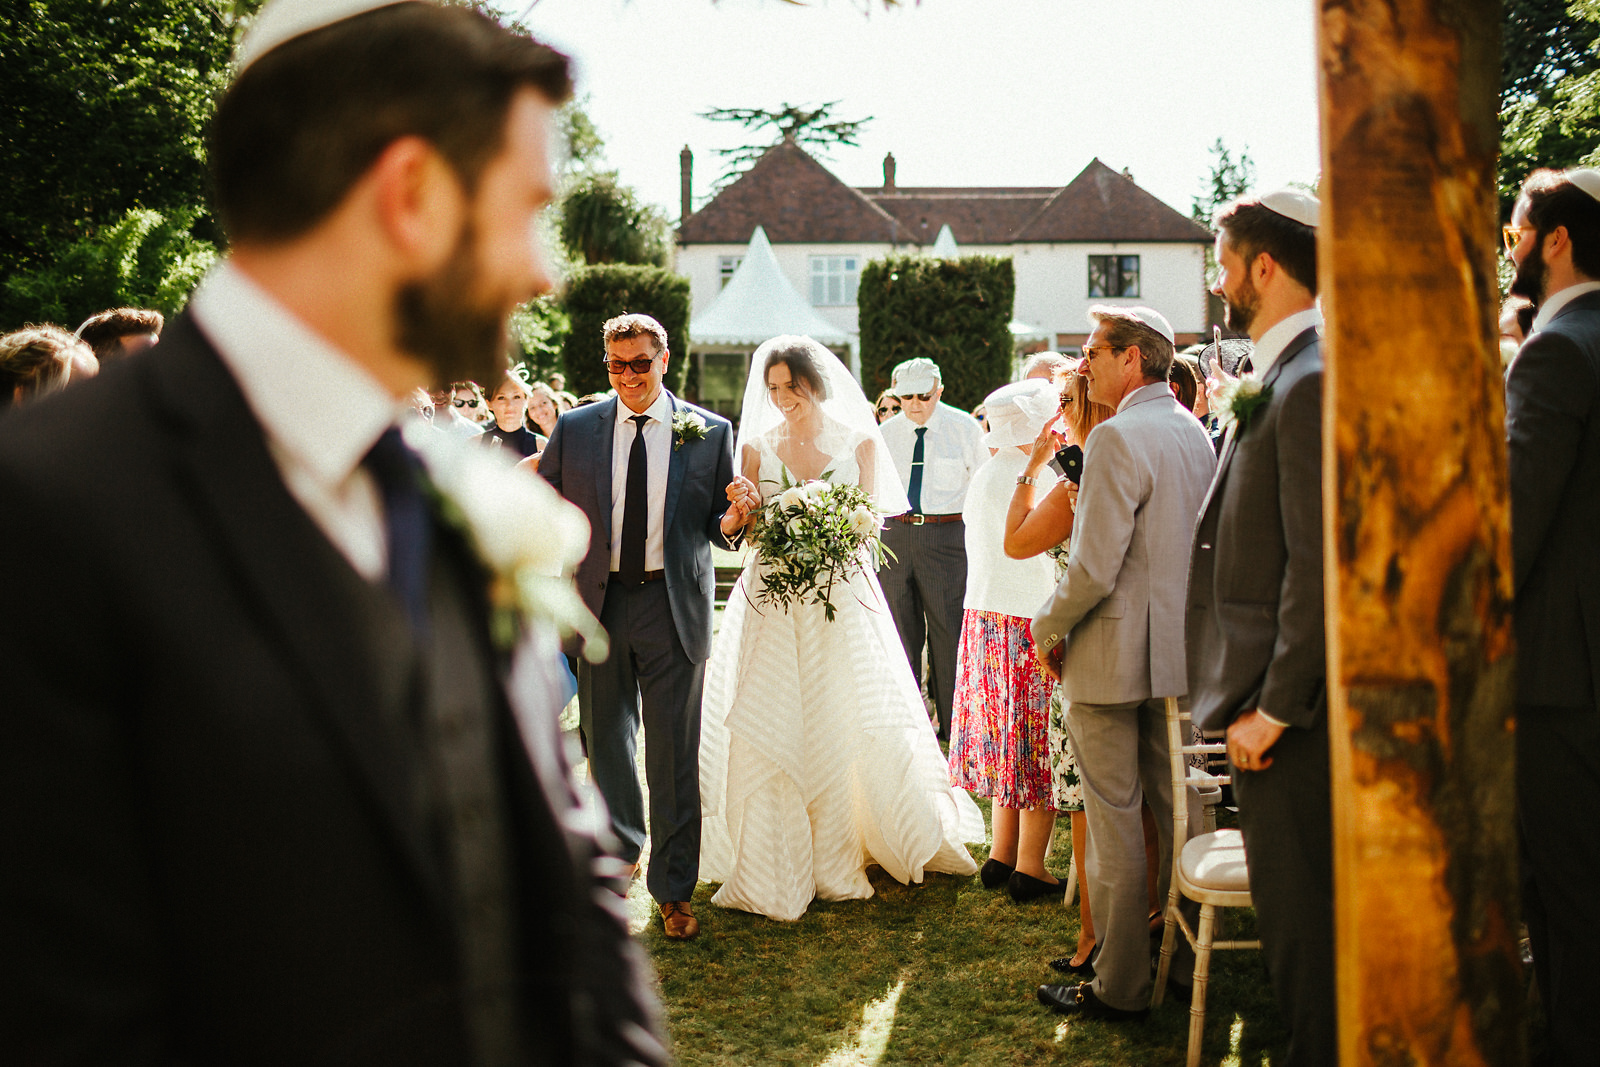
1216 861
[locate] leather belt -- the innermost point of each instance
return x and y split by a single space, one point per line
649 576
919 520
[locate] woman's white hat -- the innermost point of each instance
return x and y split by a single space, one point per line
1017 412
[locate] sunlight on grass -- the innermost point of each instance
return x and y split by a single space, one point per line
877 1023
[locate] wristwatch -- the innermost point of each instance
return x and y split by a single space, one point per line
1023 479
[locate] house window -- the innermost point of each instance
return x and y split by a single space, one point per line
834 280
726 265
1113 275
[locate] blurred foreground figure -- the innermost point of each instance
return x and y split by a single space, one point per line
277 786
121 332
36 361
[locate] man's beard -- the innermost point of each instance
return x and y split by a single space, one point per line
437 321
1533 275
1239 310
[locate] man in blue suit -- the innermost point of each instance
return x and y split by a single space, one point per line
653 474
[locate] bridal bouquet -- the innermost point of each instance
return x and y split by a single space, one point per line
812 535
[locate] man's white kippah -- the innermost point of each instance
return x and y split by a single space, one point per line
1153 319
1293 204
284 20
1585 178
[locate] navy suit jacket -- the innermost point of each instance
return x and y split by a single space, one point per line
1553 430
577 462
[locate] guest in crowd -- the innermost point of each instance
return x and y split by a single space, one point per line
450 405
888 405
1553 430
1112 632
981 413
36 361
1052 366
1261 673
1184 380
557 382
1045 527
120 332
267 792
1001 745
544 408
937 449
509 431
1516 322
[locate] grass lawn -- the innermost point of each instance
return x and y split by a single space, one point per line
944 973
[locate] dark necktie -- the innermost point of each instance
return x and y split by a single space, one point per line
635 506
914 492
407 526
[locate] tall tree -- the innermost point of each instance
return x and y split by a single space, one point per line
1231 176
1549 89
604 221
815 127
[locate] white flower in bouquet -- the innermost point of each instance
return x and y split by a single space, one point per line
818 490
864 522
812 536
793 497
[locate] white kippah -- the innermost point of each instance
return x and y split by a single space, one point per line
1293 204
1585 178
284 20
1153 319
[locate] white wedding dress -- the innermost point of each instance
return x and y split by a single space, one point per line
817 756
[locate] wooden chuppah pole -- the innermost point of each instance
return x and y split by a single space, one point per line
1418 536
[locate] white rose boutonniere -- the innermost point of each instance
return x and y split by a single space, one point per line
527 537
687 426
1238 400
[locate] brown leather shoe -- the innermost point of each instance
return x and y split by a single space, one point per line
678 921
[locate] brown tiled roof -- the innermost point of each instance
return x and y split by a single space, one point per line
797 200
1102 205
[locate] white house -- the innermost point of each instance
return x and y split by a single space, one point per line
1099 239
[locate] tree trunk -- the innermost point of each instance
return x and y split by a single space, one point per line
1418 536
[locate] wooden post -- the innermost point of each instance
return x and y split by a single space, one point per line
1418 536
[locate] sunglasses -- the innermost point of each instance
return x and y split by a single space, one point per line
887 410
464 403
1512 235
638 366
923 397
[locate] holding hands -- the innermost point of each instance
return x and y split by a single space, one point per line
744 500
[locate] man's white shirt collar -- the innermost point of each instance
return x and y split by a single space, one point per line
660 409
1556 301
315 402
1274 341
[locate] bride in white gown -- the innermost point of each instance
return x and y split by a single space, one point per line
817 757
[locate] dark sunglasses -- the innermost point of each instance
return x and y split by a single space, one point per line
924 397
638 366
888 411
458 402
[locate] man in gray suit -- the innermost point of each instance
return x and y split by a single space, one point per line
1553 427
1257 657
652 473
1113 634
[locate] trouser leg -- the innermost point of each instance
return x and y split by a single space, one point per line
942 582
608 713
898 578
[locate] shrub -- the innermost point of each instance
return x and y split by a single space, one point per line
598 293
956 312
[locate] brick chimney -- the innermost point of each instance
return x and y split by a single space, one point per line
888 173
686 194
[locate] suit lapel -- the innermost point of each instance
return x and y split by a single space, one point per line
351 679
675 462
604 444
1298 344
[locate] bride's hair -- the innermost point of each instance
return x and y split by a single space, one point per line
795 353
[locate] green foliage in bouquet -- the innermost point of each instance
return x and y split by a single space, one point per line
810 536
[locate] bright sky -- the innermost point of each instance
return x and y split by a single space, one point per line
963 92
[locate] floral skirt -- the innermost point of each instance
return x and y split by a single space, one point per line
1000 740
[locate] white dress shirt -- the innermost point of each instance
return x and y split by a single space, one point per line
321 411
952 452
1556 301
1275 340
658 450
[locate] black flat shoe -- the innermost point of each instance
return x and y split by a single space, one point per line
1080 1001
1025 887
1085 969
994 873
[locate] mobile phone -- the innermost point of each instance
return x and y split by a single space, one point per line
1070 460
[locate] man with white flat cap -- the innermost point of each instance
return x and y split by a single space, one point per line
1553 431
1113 633
294 791
1257 654
937 449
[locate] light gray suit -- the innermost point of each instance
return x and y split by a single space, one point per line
1118 615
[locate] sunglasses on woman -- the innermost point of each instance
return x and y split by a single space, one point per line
458 402
887 410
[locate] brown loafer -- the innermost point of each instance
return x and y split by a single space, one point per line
678 921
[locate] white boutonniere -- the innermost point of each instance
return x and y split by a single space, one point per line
1238 400
524 533
687 426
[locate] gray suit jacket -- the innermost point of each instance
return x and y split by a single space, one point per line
1255 584
1119 610
577 462
1553 428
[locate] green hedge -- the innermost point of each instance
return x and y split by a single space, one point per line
956 312
598 293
